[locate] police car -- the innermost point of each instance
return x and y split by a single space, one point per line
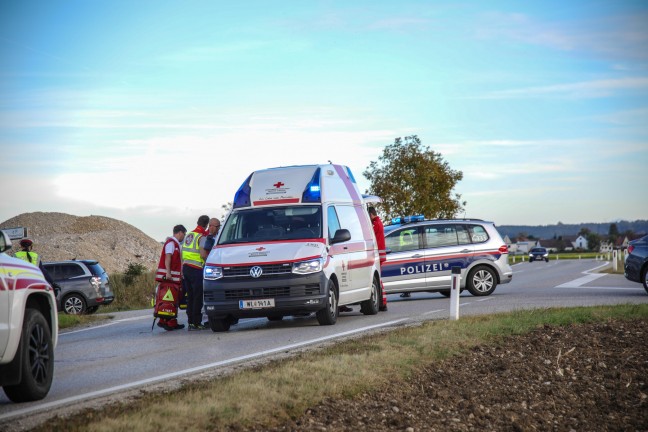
421 254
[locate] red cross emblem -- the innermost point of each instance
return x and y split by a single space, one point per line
278 184
260 248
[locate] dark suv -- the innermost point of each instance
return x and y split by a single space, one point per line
84 285
636 263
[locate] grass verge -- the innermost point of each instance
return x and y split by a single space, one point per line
67 321
283 389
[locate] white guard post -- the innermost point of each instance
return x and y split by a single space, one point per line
454 293
615 262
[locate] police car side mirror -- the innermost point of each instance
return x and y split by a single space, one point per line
340 236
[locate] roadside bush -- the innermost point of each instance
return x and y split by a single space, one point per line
132 291
133 270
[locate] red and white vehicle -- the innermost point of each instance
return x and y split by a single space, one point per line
28 328
298 240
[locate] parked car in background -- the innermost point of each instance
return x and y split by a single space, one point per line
636 262
28 328
84 285
538 254
421 254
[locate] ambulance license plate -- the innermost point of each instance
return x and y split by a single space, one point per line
256 304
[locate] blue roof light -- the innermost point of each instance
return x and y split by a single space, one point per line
350 174
407 219
242 196
313 193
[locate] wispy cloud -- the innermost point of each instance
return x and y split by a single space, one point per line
578 90
616 37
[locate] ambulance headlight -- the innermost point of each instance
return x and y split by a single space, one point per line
308 267
213 272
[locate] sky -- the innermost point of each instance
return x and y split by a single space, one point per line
155 112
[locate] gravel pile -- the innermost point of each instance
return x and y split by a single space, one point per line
60 236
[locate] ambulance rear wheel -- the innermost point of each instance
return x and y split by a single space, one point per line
220 325
370 306
328 315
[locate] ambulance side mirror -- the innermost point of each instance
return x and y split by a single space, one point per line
340 236
388 251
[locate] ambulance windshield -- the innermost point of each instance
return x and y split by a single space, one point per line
262 224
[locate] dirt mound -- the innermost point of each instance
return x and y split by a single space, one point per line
60 236
590 377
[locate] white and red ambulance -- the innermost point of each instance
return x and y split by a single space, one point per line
298 240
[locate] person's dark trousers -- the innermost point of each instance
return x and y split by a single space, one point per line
193 278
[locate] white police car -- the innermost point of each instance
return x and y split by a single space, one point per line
421 254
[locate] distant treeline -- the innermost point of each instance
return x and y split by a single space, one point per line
560 229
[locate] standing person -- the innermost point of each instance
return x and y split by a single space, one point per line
25 253
213 228
169 277
379 231
192 270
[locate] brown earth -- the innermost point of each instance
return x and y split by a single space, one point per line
579 378
60 236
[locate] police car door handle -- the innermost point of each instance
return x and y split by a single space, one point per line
465 251
417 256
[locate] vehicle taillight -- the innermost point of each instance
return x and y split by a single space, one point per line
630 249
503 249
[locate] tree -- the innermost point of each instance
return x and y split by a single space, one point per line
412 179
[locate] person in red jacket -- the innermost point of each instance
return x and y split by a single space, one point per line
169 277
379 231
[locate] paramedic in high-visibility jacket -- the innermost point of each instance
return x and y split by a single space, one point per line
169 276
192 270
379 231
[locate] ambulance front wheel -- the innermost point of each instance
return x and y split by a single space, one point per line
371 306
328 315
220 325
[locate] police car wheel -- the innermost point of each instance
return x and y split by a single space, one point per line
328 315
37 359
481 281
370 306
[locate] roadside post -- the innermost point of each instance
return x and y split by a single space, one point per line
454 293
615 261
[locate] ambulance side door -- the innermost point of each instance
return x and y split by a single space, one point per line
337 252
404 269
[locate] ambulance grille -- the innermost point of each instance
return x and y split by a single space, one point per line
268 270
259 293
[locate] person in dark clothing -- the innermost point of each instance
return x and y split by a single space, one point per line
192 270
26 254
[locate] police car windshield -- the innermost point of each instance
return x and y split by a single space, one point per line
272 223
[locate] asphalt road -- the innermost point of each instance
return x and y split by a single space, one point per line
124 353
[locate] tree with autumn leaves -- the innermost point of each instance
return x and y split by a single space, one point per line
412 179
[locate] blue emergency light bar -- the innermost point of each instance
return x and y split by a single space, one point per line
407 219
312 192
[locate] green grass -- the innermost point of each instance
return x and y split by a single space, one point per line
283 389
67 321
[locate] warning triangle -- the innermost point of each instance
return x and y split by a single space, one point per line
168 296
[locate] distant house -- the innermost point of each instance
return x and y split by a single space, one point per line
606 246
580 243
622 242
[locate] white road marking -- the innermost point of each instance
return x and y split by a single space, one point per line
105 325
110 390
590 277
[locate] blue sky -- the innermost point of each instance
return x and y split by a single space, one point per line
154 112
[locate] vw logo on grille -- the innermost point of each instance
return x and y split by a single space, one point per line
256 271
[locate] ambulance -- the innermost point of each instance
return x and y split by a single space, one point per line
297 241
